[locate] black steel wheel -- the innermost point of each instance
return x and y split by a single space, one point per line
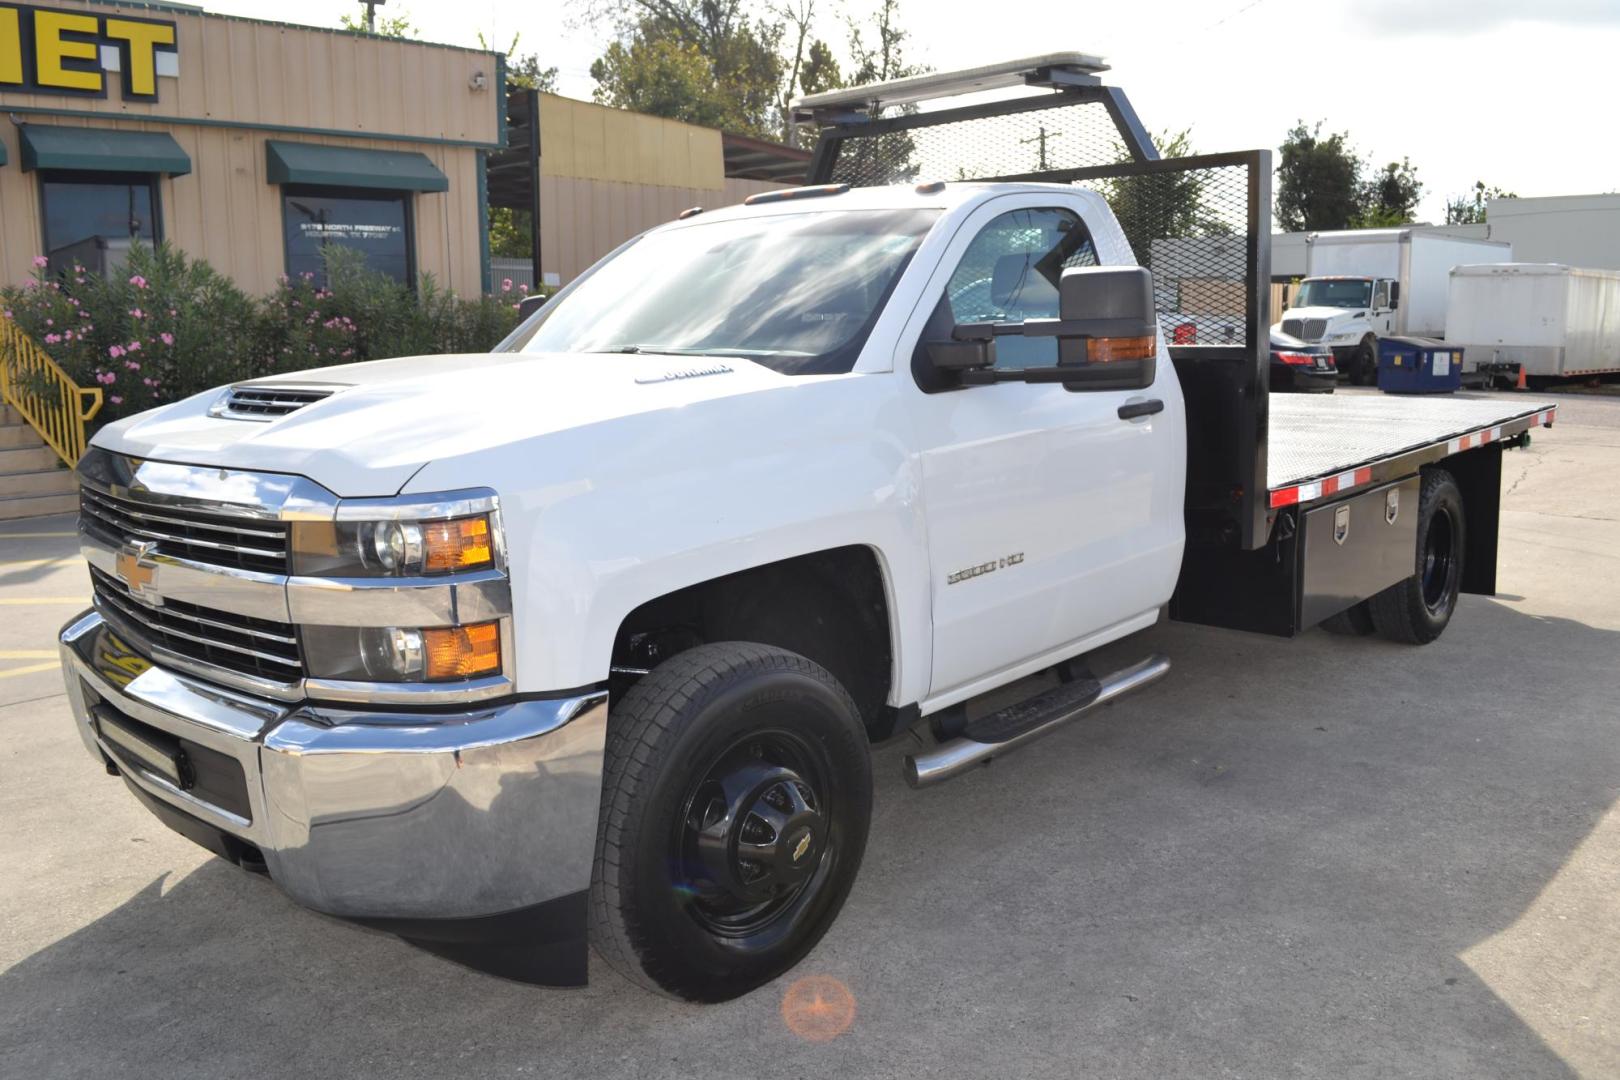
737 791
1364 364
1418 609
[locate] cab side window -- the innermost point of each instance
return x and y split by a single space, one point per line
1381 295
1010 273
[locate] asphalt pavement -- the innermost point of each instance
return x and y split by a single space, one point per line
1322 857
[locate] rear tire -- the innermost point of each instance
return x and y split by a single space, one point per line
1418 609
736 796
1353 621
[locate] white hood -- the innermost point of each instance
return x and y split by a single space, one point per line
388 418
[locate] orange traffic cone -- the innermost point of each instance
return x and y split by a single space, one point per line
1522 383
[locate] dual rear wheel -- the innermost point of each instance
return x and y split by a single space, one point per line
1417 609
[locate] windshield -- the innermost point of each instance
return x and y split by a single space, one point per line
1333 292
796 292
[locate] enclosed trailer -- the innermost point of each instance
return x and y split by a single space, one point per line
1544 319
1419 261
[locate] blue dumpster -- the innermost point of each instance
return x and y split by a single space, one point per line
1414 365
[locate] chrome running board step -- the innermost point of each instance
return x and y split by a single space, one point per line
1004 731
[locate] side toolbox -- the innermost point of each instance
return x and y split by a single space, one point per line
1315 564
1355 548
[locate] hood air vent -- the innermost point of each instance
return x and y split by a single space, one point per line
267 401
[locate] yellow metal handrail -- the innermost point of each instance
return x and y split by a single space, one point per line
46 396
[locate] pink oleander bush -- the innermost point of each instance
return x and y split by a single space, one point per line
167 326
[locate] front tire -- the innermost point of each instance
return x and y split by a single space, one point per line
1364 364
1418 609
737 792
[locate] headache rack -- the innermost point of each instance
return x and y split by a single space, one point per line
1201 224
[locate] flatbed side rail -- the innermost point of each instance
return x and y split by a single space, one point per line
1319 490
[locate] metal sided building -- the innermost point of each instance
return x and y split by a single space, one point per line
249 144
590 177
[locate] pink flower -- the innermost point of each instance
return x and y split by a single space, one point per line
8 313
40 260
106 378
149 381
138 281
134 346
137 313
524 289
50 322
506 285
133 365
115 351
167 338
115 399
52 339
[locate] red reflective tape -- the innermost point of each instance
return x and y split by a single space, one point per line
1284 497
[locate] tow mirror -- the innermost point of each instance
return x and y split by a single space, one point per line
1394 295
1106 331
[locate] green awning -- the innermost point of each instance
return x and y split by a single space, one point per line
101 150
347 166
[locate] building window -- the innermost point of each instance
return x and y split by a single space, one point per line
376 224
92 218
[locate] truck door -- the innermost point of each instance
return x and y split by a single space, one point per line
1383 315
1050 517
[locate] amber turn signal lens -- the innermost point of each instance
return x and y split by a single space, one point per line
460 652
1108 349
461 544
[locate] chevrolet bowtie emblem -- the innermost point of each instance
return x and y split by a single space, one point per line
136 572
802 847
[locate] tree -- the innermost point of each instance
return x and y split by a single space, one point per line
1318 181
820 72
1390 197
1466 210
523 72
393 26
878 54
703 61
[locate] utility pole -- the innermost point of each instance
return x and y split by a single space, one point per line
1041 139
371 14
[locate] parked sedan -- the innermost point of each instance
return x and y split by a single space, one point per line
1301 367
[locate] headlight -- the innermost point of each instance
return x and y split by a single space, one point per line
392 547
403 654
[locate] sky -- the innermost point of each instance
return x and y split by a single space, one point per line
1522 94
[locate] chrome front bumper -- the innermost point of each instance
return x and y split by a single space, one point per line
380 816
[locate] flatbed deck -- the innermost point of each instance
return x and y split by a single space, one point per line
1320 446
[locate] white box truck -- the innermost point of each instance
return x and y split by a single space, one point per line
1365 284
1546 320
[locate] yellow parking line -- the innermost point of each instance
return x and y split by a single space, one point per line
30 669
27 654
23 601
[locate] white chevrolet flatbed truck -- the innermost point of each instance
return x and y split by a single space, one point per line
585 640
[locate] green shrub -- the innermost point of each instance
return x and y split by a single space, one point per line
167 326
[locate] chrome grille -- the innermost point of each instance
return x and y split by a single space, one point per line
257 647
214 539
267 401
1305 329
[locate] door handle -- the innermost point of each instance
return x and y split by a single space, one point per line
1133 409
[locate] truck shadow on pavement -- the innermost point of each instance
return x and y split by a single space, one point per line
1273 863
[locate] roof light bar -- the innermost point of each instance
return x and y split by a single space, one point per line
1051 69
